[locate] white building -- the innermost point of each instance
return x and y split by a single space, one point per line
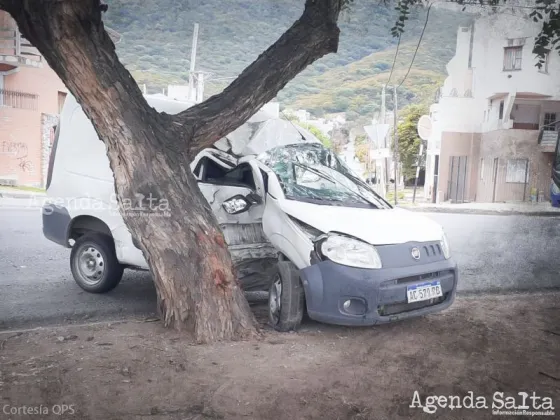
493 130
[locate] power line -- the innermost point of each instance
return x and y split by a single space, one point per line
505 6
417 46
394 61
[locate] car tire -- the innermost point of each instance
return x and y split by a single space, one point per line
286 298
94 263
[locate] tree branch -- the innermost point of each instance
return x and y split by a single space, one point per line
312 36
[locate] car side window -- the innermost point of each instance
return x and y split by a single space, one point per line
242 175
210 172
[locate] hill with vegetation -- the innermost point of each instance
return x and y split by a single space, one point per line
157 36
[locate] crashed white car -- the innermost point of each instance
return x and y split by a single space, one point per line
297 221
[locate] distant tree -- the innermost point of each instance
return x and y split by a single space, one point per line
360 144
409 142
317 133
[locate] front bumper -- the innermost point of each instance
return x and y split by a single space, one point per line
383 292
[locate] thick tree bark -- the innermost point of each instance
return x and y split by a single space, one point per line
150 152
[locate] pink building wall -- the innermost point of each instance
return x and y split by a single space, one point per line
24 133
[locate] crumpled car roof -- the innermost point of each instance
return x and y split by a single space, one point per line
260 133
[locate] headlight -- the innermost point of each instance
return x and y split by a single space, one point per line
445 247
554 189
348 251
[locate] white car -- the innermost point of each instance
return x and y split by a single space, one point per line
297 221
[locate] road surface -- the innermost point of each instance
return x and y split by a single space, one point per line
493 253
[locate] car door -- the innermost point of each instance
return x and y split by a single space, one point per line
236 197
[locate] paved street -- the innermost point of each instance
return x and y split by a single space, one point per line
37 285
493 252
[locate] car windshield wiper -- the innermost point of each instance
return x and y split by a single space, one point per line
363 185
334 181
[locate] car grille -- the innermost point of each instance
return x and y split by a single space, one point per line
432 250
418 278
399 308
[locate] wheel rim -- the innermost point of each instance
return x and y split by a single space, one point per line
91 265
275 299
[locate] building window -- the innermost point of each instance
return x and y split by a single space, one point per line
516 171
512 58
544 68
17 99
549 120
61 98
482 168
501 115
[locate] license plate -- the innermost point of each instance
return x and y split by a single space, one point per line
423 291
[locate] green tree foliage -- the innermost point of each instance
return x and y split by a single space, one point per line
311 128
360 144
409 142
317 133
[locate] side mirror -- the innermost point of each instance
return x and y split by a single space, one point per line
238 203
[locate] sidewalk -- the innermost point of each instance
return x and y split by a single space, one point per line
524 208
14 192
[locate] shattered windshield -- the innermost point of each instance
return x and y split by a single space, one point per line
310 172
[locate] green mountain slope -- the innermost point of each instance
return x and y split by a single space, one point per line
157 40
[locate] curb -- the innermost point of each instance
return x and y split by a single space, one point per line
9 194
485 212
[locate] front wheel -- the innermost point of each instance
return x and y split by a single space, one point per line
94 263
285 298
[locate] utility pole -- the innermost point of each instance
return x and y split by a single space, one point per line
396 140
192 92
418 170
383 120
199 87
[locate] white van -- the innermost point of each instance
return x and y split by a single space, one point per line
297 221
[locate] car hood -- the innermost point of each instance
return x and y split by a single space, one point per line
375 226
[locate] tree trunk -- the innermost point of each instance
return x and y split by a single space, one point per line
150 152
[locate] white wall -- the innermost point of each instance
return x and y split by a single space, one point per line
490 38
487 78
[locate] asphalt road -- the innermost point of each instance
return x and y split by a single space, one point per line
494 253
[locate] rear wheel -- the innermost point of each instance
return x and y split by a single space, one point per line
94 263
285 298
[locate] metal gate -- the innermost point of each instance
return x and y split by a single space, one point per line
456 190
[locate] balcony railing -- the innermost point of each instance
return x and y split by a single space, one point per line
12 44
549 134
17 99
548 138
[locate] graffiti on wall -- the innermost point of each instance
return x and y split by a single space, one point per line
19 151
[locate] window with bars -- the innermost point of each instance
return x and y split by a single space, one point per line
513 58
17 99
549 120
517 170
